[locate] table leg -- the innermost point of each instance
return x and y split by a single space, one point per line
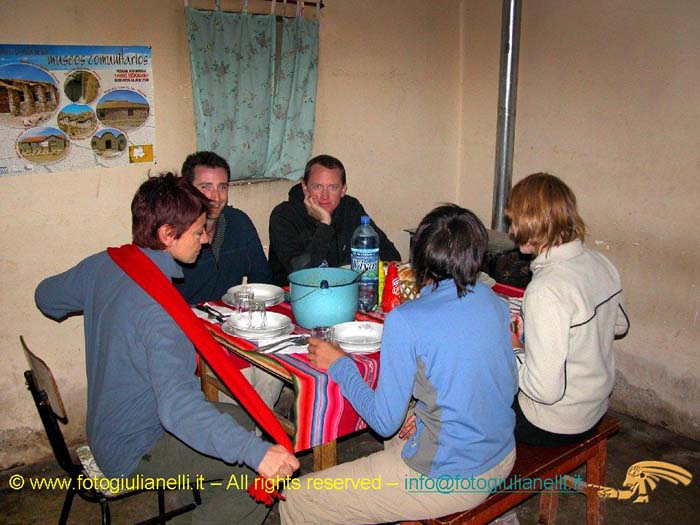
325 455
548 507
211 392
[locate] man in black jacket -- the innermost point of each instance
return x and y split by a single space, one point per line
317 222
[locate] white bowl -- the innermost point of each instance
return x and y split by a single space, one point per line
358 333
268 293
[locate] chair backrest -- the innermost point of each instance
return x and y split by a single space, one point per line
47 398
45 381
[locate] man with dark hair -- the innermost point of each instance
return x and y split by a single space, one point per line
234 251
234 248
146 413
317 222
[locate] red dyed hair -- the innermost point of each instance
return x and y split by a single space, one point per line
164 199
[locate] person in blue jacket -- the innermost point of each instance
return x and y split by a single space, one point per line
450 351
234 248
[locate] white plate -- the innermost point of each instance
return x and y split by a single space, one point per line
358 337
257 336
269 293
277 324
360 349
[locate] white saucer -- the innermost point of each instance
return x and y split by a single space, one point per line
277 324
360 349
257 336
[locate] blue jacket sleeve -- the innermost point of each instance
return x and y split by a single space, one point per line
383 409
65 293
182 408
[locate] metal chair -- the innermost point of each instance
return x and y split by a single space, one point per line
41 384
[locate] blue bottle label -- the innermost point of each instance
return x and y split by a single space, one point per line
366 259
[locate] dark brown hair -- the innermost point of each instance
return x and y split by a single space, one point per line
328 162
542 210
450 243
208 159
164 199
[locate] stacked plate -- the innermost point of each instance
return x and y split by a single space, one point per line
358 337
277 324
268 293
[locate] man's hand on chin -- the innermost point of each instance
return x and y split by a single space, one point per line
315 211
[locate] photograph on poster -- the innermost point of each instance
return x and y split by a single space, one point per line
65 108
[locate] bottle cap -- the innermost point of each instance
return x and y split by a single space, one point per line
364 219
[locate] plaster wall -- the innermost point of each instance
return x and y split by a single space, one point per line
387 93
407 99
606 101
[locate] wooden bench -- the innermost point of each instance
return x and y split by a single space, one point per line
546 463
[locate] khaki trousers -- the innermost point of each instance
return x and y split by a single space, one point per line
266 385
407 498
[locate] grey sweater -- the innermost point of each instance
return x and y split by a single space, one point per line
140 369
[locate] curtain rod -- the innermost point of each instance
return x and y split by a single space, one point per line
305 3
320 3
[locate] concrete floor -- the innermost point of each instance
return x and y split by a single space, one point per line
668 503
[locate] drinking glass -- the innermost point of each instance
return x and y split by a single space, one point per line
257 316
324 333
241 300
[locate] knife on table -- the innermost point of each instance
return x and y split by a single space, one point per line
211 312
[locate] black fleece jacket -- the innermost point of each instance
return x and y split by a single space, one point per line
299 241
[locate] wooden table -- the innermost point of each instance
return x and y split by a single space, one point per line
326 426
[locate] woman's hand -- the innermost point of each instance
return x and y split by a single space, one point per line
408 428
323 354
515 341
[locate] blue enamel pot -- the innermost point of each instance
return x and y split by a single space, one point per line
323 296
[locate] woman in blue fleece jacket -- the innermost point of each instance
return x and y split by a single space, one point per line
450 351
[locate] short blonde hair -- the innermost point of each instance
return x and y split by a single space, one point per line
543 212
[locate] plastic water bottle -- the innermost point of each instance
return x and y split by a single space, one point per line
364 255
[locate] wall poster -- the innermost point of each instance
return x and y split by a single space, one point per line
66 108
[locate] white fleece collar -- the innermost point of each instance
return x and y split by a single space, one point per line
557 254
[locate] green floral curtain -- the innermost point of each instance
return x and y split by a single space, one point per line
253 109
294 103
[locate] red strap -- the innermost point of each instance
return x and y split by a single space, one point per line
147 275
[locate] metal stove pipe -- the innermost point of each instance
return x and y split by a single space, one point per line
507 91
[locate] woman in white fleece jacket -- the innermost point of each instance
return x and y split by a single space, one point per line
572 311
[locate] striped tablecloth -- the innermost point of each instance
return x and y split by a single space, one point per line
321 412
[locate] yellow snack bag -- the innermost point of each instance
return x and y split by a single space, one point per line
382 278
